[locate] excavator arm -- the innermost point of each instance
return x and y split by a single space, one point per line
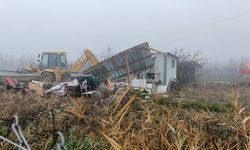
86 61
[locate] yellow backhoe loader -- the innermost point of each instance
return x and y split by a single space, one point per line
53 66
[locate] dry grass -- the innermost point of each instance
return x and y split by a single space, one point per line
216 92
126 122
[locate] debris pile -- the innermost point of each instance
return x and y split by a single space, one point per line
140 67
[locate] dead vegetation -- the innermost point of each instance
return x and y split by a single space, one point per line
216 92
127 122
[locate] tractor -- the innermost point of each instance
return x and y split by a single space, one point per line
53 66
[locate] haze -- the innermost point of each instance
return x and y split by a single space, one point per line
219 28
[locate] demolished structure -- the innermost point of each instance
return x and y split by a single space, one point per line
132 61
140 66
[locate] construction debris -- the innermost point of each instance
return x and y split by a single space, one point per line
140 67
139 59
10 84
36 86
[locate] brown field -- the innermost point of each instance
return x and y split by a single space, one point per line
216 92
198 117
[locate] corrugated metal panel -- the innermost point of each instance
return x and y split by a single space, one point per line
139 59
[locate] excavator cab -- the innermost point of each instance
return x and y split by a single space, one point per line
52 66
52 60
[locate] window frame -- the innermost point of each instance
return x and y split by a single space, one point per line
42 61
173 63
49 64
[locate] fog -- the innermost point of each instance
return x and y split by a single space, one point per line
220 29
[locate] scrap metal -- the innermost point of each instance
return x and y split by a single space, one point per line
139 59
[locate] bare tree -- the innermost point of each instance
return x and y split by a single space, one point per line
106 53
189 65
10 62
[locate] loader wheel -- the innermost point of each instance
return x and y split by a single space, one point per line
48 77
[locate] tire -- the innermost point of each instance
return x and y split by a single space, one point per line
48 77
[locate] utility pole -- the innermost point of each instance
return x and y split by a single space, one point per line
128 69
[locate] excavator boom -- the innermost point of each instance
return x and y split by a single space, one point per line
87 60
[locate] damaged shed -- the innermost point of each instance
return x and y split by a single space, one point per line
145 67
138 58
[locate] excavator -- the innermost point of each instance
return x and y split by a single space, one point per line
53 66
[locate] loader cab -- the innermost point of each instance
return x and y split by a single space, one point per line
52 60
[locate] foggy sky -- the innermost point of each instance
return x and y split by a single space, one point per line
219 28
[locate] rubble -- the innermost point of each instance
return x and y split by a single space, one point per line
140 67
